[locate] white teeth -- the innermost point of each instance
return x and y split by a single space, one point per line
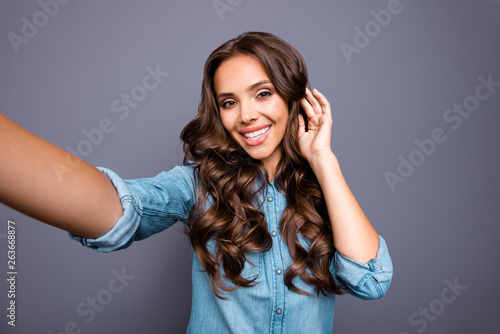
256 134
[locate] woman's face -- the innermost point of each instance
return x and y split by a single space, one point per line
251 109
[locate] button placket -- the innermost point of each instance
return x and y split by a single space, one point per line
272 204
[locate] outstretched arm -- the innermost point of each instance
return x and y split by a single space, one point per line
81 200
353 235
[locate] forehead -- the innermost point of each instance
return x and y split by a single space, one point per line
238 73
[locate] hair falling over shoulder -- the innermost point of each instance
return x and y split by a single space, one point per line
229 180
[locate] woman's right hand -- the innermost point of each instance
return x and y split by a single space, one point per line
49 184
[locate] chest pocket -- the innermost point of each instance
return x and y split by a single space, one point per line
251 269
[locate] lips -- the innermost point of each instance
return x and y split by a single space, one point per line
256 135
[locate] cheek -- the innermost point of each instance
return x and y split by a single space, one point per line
280 108
283 121
227 122
283 115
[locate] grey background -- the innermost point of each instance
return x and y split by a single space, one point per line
441 224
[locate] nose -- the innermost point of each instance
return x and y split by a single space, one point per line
248 112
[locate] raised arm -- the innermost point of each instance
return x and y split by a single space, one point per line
353 234
49 184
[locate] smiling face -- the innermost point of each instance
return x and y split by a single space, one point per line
251 109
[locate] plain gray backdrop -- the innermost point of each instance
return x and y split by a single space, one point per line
391 86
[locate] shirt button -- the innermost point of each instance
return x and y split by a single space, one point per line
278 311
269 199
278 271
273 233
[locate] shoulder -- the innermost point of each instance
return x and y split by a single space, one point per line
184 171
179 178
181 175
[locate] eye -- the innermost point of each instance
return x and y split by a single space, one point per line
228 103
264 93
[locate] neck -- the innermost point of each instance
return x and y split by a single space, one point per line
271 163
270 170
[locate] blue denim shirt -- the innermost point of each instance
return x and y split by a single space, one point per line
151 205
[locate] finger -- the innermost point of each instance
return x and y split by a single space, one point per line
313 101
325 105
308 109
302 125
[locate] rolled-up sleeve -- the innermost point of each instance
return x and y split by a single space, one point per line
150 205
370 280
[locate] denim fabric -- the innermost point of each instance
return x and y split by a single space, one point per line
153 204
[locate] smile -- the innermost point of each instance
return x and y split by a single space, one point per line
256 134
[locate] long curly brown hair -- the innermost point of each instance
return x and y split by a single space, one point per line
227 208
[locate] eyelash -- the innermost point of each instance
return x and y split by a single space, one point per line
226 104
265 92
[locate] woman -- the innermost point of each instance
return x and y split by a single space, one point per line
275 231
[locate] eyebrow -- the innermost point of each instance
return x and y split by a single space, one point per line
248 89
